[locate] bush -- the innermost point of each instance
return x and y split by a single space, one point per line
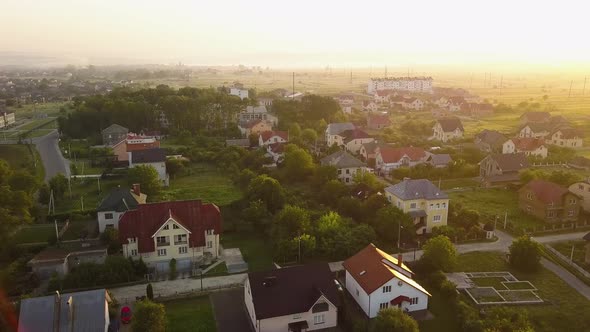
149 292
525 254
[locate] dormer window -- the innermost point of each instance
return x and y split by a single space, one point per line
166 227
175 226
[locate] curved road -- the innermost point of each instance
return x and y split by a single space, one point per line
51 156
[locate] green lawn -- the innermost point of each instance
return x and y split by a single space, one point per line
36 233
495 282
218 270
190 315
84 167
497 203
565 248
518 285
41 123
457 183
88 189
256 250
202 182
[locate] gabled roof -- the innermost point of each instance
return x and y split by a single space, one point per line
378 119
545 191
569 133
144 221
491 137
148 156
372 146
353 134
266 135
370 268
537 127
536 116
439 159
277 147
38 313
341 159
586 237
511 162
119 200
291 290
416 189
383 93
337 128
115 128
527 143
393 155
450 124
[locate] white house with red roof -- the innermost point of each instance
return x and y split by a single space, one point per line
377 280
388 158
353 139
527 145
273 136
184 230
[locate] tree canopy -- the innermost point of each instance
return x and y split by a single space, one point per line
440 254
394 320
525 254
149 317
147 176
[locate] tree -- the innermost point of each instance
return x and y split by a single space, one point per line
59 185
172 266
256 214
309 136
394 320
439 254
147 176
290 222
24 181
268 190
525 254
369 179
149 317
387 225
44 194
110 238
294 130
324 174
331 192
149 292
174 167
298 163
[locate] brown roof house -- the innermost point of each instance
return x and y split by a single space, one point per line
376 281
490 141
527 145
566 137
549 201
447 129
297 298
535 117
378 121
388 158
502 168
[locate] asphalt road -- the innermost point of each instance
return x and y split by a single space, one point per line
53 161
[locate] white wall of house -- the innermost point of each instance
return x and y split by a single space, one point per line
271 140
358 293
106 218
316 321
381 299
346 175
437 210
582 189
334 139
242 93
528 132
557 139
508 147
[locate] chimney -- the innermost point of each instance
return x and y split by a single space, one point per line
56 311
136 189
400 260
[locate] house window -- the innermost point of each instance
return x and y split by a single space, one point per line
162 241
412 205
182 250
386 289
347 180
210 232
572 201
413 301
339 171
444 205
180 239
436 218
133 252
319 319
175 226
161 252
383 305
209 244
570 213
551 214
166 227
132 240
438 205
108 216
347 171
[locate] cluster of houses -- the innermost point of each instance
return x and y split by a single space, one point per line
133 149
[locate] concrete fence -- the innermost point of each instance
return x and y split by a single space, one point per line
568 261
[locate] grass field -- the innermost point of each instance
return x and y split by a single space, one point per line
190 315
88 190
29 110
203 182
256 251
19 157
495 282
495 202
41 233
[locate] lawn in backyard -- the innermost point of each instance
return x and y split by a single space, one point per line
204 182
495 282
256 250
565 248
497 203
190 315
35 233
457 183
86 190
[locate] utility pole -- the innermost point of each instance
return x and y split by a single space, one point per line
293 95
70 186
501 82
98 178
56 231
584 90
572 254
82 202
570 93
505 218
399 234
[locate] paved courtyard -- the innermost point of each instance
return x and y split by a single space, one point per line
230 312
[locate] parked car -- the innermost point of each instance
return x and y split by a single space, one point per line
126 315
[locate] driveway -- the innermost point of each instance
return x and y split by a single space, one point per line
230 312
51 156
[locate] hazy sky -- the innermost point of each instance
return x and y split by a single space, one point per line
301 32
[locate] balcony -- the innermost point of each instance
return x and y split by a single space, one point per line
162 244
176 243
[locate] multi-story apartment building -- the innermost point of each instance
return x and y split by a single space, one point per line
422 200
412 84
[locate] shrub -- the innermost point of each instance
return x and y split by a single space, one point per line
149 292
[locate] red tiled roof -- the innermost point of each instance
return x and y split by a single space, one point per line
353 134
277 147
569 133
545 191
378 119
266 135
384 93
536 116
528 143
393 155
148 218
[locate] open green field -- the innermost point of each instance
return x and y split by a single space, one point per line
202 182
29 110
190 315
256 250
42 233
563 307
495 282
565 248
19 157
495 202
86 190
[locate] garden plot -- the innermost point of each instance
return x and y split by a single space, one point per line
498 288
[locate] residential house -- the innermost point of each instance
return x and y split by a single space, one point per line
266 102
347 165
377 280
382 96
187 231
134 143
534 117
549 201
378 121
151 157
490 141
477 109
414 104
353 139
242 93
60 261
296 298
252 113
254 127
423 201
439 160
370 106
118 201
535 130
86 311
441 101
582 189
447 129
7 118
347 100
566 137
333 131
114 134
529 146
368 152
276 151
454 103
388 158
502 168
269 137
